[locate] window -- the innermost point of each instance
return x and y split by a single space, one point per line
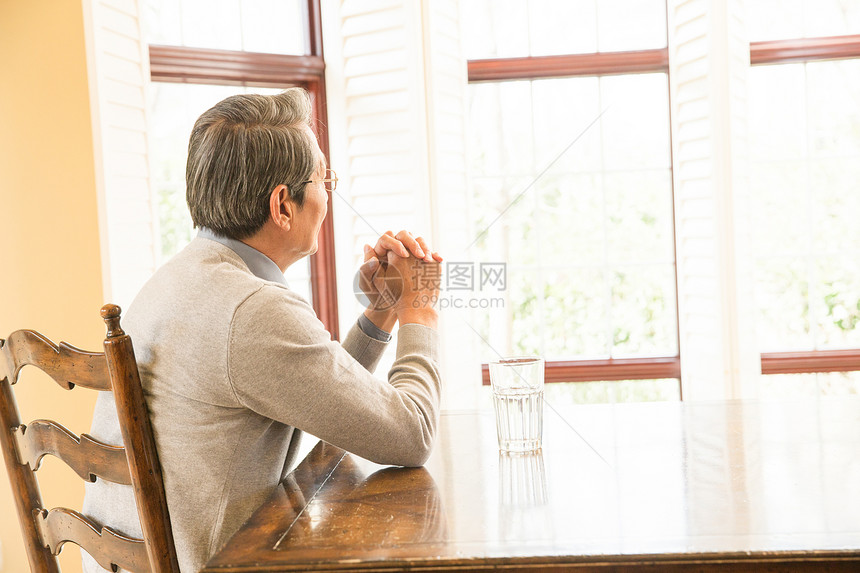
200 51
261 26
805 165
571 186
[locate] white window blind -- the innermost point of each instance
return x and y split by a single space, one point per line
396 108
708 59
119 70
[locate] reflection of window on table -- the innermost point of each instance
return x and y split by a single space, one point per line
202 52
588 241
805 182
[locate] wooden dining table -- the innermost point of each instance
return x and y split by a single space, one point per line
765 486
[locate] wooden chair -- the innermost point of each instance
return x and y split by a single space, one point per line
136 464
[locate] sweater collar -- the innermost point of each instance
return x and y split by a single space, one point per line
259 264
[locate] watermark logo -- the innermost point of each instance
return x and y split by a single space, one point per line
440 285
377 289
494 275
460 276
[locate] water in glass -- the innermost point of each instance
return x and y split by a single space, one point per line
518 401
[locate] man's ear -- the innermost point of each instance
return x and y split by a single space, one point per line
281 207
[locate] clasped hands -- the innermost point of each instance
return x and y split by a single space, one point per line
392 276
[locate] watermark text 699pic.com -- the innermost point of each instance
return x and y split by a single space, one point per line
460 278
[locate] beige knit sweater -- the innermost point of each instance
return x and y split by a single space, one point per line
233 366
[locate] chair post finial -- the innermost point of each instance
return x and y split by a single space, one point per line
110 313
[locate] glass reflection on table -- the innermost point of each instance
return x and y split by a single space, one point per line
523 496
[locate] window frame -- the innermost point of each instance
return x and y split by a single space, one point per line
770 52
798 51
183 64
573 65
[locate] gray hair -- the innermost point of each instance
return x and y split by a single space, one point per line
239 151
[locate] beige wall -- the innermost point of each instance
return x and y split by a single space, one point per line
49 238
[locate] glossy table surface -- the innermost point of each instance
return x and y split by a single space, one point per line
729 486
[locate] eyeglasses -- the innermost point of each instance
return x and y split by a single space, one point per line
330 180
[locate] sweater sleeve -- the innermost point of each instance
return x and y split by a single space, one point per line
366 349
283 365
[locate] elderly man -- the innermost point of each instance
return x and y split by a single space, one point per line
234 364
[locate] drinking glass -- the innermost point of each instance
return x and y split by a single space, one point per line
518 400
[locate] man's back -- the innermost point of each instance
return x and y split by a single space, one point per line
231 364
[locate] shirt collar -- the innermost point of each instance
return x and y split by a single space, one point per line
259 264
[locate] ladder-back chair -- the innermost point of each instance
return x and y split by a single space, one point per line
135 464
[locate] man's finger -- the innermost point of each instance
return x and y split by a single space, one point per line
410 243
428 254
388 243
367 274
368 253
370 267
